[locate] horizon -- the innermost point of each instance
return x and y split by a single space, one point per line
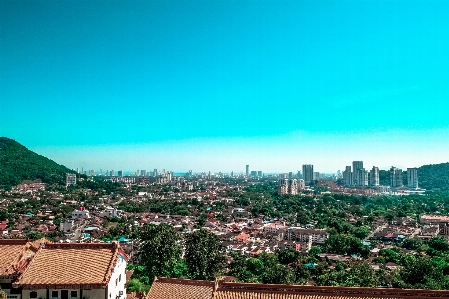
219 85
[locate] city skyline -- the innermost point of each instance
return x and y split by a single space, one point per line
217 85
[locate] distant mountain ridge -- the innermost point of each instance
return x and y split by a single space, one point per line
17 163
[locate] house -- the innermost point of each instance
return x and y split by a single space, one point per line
82 213
41 269
110 212
15 257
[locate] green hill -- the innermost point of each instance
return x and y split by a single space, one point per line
17 163
434 176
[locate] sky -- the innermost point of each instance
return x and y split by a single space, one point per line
215 85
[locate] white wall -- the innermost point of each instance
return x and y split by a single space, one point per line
118 279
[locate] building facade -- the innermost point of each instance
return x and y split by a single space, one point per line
412 178
307 172
395 177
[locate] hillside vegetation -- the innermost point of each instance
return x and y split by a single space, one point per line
430 177
17 163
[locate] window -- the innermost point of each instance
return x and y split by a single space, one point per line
54 293
73 293
33 294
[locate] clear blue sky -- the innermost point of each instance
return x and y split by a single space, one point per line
214 85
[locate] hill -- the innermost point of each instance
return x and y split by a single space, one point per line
430 177
17 163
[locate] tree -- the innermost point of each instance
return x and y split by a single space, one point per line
361 232
412 244
160 251
203 255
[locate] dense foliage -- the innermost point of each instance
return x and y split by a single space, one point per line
17 163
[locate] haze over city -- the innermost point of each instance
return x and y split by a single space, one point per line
217 85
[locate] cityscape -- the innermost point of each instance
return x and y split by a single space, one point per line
269 149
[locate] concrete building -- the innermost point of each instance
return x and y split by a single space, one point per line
374 177
395 177
360 177
143 172
307 172
82 213
356 166
412 178
318 236
348 176
70 179
247 170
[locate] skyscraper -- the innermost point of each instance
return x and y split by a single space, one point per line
347 176
356 166
412 178
374 177
395 177
247 170
307 172
143 172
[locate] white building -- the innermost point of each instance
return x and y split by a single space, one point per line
318 236
110 212
82 213
75 271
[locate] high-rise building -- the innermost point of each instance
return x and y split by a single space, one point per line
360 177
143 172
155 172
247 170
120 173
288 186
412 178
70 179
112 173
92 172
374 177
356 165
395 177
347 176
253 173
259 173
307 172
299 175
316 175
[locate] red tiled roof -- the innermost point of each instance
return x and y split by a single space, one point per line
15 254
164 288
71 265
171 288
